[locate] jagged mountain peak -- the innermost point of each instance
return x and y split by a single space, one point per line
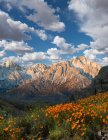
86 65
84 60
39 66
11 64
64 76
36 68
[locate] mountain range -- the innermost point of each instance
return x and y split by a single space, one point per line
40 79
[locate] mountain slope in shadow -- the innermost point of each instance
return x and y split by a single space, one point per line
100 82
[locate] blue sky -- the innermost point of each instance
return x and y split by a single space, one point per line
48 31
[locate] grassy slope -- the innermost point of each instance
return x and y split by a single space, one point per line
79 120
11 108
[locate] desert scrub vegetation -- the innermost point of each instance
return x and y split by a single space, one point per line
80 120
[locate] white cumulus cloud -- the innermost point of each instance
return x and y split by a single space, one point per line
93 19
54 54
34 56
15 46
16 30
43 14
65 47
2 53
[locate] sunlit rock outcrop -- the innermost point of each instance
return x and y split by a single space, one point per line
63 77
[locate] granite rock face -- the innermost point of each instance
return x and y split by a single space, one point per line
39 79
11 76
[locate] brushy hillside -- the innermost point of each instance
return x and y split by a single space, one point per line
80 120
84 118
